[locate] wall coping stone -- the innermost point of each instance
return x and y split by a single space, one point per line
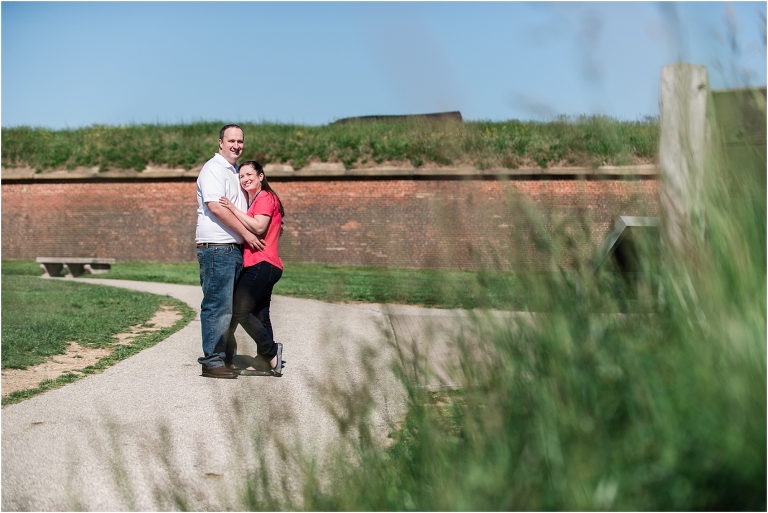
322 171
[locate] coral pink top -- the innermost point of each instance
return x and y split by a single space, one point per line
266 204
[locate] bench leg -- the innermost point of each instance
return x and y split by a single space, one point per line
97 268
73 270
51 270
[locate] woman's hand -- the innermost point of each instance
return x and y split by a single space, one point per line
224 202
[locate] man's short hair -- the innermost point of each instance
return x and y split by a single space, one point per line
224 129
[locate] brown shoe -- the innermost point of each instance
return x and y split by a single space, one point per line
233 366
219 372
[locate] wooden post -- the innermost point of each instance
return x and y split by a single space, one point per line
684 146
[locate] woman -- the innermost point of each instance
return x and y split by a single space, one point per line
261 269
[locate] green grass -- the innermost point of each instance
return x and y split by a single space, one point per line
41 317
20 268
433 288
582 141
182 273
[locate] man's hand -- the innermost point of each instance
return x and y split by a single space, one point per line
254 242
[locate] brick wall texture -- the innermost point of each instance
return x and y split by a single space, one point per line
460 224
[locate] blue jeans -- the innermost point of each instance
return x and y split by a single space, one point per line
250 307
220 268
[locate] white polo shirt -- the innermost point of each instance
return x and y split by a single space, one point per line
217 178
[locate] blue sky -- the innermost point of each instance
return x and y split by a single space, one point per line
73 64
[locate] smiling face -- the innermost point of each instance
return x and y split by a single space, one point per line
231 145
250 179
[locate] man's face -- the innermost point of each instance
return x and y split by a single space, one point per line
231 147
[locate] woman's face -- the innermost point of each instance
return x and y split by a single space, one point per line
250 180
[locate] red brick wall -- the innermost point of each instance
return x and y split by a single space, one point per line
398 223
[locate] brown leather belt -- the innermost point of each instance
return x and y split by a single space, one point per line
230 244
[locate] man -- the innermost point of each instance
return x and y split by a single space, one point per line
220 237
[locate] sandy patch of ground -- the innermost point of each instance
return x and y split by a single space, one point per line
77 357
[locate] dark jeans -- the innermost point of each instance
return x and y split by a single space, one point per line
250 306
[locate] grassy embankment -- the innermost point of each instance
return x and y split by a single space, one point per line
585 141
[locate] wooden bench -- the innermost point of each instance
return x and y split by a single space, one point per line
74 266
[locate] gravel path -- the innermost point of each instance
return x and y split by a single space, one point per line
151 426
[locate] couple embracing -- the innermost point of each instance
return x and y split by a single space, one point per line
239 220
